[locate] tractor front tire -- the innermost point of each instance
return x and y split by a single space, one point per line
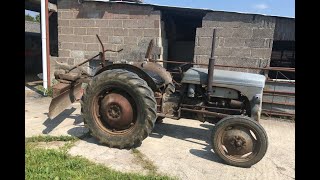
239 141
119 108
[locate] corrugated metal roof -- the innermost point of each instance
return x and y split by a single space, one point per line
33 27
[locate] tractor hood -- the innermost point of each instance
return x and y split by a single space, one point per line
199 76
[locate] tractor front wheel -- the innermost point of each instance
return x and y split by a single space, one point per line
239 141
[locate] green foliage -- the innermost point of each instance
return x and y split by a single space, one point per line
37 18
29 18
50 138
47 92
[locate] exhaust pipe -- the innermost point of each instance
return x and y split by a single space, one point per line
211 66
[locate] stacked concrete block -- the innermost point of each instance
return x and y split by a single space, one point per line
120 26
241 40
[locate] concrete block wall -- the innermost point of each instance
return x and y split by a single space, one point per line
242 40
119 26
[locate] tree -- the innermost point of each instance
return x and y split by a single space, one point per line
29 18
37 18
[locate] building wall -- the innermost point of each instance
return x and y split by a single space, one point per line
242 40
119 26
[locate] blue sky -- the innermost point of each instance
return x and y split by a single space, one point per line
269 7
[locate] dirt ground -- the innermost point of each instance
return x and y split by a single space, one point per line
179 148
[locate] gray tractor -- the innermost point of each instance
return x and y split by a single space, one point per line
123 100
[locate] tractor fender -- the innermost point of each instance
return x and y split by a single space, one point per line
143 75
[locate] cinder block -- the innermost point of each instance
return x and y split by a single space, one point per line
204 32
77 54
132 23
82 23
220 42
69 38
151 32
232 24
130 40
203 59
224 32
145 23
79 46
66 30
263 33
93 31
115 39
235 52
90 39
115 23
101 23
261 52
135 32
62 22
205 41
256 43
92 47
242 32
156 24
67 45
64 53
80 31
234 42
120 32
106 31
200 50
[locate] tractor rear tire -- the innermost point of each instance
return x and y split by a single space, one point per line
119 108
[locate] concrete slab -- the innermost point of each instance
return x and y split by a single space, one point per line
177 147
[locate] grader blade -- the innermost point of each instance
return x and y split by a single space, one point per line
63 96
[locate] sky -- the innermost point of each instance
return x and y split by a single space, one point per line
284 8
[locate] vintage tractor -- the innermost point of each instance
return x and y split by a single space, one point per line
123 100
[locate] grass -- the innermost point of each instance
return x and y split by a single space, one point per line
47 92
58 164
50 138
144 161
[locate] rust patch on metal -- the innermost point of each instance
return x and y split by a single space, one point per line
116 111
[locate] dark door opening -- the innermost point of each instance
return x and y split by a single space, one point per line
283 55
33 63
179 32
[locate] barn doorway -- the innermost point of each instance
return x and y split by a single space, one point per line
178 29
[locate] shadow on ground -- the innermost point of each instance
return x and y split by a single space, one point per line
184 133
187 133
51 124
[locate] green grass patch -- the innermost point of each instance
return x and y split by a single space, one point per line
47 92
144 161
56 164
50 138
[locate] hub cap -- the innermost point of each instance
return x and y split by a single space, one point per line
116 111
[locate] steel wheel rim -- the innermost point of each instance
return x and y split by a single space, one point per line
239 147
100 117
